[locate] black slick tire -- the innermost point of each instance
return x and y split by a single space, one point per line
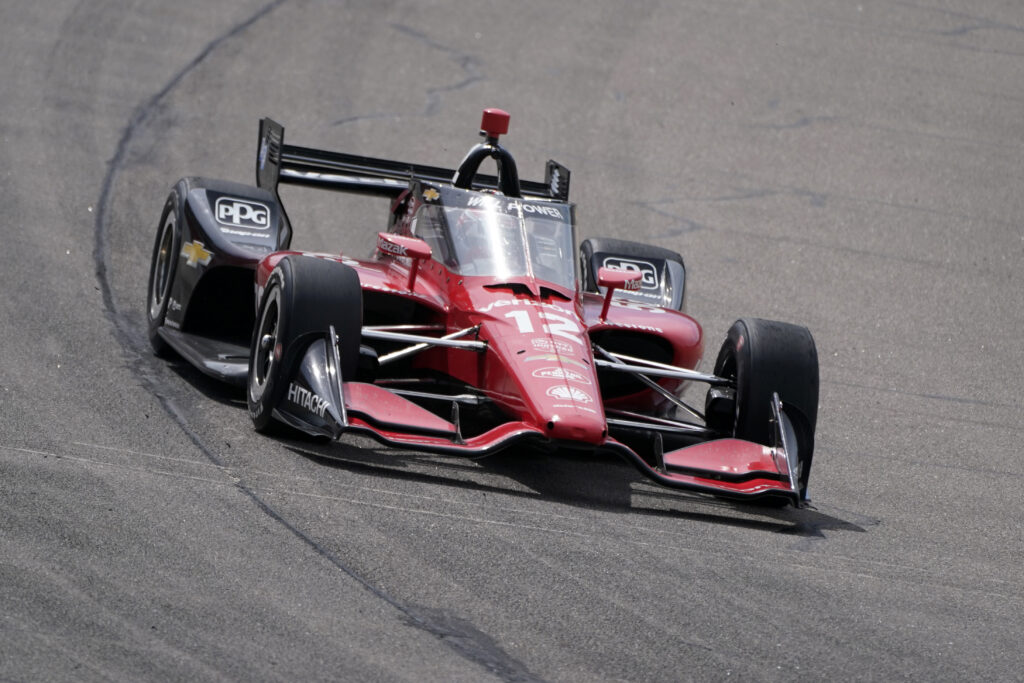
766 357
162 269
304 296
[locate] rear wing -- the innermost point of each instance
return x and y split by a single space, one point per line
277 162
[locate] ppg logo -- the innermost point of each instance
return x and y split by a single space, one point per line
648 273
242 213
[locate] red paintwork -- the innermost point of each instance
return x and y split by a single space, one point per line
494 122
539 369
612 279
390 244
730 457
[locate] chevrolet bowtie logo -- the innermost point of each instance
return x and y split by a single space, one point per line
195 253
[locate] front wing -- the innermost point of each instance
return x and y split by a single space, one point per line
319 401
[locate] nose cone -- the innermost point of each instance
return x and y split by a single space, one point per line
542 369
569 425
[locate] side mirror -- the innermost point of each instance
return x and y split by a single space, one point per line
612 279
390 244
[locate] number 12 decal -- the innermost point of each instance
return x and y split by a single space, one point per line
558 325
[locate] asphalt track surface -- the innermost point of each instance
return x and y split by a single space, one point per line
851 167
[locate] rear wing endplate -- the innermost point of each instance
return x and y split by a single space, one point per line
277 162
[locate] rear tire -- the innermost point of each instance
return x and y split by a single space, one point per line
162 269
765 357
303 298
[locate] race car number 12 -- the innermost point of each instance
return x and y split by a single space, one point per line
556 324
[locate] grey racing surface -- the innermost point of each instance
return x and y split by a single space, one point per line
852 167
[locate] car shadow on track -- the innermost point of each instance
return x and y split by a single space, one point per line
587 480
225 394
584 479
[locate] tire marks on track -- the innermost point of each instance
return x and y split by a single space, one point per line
465 641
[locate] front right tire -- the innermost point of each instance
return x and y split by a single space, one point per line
764 357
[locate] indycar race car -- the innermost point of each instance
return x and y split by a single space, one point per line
473 327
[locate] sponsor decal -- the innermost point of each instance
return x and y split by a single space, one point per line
173 305
264 147
551 345
552 358
648 273
306 399
389 247
242 213
637 306
173 324
542 210
560 373
556 176
521 302
560 391
631 326
574 406
196 254
430 194
245 233
514 205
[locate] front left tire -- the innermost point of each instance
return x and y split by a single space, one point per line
162 269
304 296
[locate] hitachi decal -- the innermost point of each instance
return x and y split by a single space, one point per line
306 399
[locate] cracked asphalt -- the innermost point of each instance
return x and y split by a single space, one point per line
853 167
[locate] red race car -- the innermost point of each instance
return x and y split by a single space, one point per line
474 327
